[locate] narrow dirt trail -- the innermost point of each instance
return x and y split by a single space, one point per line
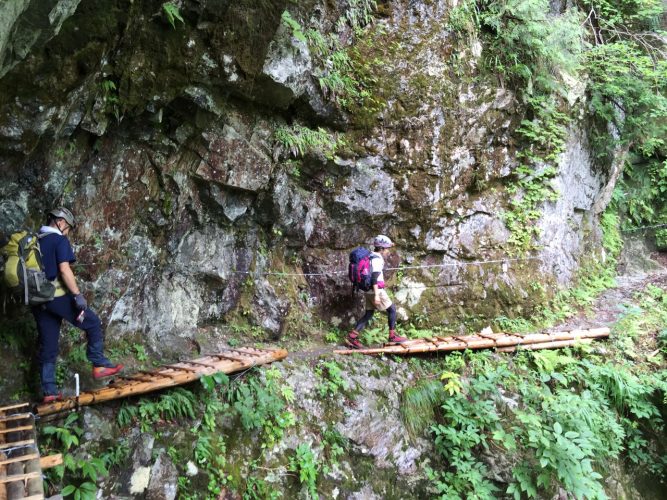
608 307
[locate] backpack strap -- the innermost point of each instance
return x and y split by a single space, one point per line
21 251
38 257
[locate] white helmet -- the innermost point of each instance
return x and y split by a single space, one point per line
382 241
63 213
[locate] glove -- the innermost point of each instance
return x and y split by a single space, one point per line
80 301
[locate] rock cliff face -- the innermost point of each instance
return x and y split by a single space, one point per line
196 219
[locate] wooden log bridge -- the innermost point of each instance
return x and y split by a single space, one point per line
504 342
20 463
227 361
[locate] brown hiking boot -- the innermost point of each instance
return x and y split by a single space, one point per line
352 340
394 338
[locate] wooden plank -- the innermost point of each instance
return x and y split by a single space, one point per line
16 429
546 345
181 368
3 473
50 461
230 358
4 409
135 378
20 477
17 416
457 343
246 351
23 458
163 380
207 365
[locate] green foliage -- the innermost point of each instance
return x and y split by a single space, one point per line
593 277
295 27
84 491
81 473
574 415
305 464
532 50
115 455
627 87
544 137
625 67
374 335
341 77
641 195
173 13
524 44
418 405
258 489
262 405
110 98
557 417
628 80
335 446
301 141
332 379
467 418
173 405
66 436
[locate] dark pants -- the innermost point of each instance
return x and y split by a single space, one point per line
49 317
391 318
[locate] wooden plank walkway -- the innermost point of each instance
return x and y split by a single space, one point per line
503 342
227 361
20 468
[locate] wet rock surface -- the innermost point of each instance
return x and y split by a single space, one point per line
169 157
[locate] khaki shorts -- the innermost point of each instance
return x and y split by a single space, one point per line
385 301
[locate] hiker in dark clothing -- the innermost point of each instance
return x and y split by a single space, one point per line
68 304
377 298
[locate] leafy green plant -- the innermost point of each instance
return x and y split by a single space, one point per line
300 141
66 435
262 405
305 464
173 13
115 455
175 404
110 98
332 379
295 26
335 446
258 489
84 491
418 404
81 473
340 69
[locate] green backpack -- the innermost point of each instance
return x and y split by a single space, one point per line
24 272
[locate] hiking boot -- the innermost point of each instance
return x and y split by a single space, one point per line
52 398
352 340
394 338
106 371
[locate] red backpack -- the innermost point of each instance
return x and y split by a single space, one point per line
359 269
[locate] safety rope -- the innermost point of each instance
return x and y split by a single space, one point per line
400 268
643 228
13 415
9 450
